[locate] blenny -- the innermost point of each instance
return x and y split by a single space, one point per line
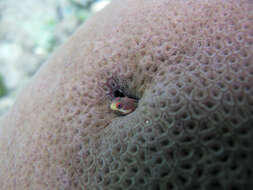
123 105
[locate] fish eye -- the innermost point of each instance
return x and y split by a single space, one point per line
119 105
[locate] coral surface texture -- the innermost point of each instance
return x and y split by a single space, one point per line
189 66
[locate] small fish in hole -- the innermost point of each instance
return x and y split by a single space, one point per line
123 105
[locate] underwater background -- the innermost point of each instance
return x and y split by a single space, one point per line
29 32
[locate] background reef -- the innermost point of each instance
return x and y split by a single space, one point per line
29 32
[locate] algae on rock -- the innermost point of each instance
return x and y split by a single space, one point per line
3 90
